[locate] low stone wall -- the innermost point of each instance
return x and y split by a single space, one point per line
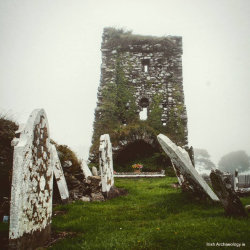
139 175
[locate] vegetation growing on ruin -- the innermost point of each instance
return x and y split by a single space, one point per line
121 38
117 112
154 215
154 118
7 133
118 108
66 154
118 115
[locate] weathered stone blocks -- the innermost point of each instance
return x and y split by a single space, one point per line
106 163
188 177
32 184
150 69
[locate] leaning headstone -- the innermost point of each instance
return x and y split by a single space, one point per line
59 176
32 184
224 189
186 173
94 171
106 163
85 169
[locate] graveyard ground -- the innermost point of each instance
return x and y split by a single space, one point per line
154 215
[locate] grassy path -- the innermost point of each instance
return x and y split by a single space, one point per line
152 216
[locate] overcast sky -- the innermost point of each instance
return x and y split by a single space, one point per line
50 58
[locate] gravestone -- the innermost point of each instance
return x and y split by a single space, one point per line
59 176
85 169
187 175
94 171
224 189
32 185
106 163
236 180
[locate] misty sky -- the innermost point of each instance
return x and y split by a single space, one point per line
50 58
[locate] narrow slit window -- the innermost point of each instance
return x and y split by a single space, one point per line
145 65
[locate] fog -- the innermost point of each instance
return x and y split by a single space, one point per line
50 58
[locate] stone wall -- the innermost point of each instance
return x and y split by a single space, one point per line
152 70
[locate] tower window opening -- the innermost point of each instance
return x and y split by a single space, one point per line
144 114
144 103
145 65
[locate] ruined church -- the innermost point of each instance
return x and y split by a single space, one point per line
140 93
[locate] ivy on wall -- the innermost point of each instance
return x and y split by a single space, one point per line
154 119
117 111
118 108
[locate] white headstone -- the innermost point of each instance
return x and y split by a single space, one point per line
59 176
183 165
85 169
32 184
94 171
106 163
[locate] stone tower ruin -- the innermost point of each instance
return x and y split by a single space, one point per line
141 91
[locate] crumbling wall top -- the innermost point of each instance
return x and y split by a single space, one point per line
126 41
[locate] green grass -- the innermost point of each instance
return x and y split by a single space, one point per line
152 216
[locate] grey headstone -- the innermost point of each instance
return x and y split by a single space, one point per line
224 189
188 177
32 185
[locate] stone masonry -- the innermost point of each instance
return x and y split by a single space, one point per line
151 66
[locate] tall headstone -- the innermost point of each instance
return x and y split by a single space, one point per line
106 163
85 169
59 176
32 184
186 173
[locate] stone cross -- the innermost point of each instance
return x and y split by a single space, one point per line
32 184
106 163
59 176
187 175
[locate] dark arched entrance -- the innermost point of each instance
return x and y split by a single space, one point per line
141 152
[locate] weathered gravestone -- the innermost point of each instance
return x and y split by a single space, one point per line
32 184
236 180
224 189
106 163
59 176
187 175
85 169
94 171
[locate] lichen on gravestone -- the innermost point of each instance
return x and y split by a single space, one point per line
32 184
224 189
106 163
188 177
